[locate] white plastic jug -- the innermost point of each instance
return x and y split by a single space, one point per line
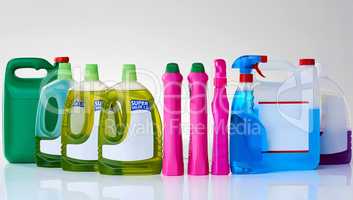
335 122
286 106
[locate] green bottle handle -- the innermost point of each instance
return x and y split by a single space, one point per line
122 118
19 63
44 132
88 100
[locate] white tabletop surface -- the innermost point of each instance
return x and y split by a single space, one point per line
27 182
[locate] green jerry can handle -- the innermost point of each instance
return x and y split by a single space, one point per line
88 101
121 116
19 140
19 63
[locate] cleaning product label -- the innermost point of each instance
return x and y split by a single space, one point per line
52 147
288 122
138 144
140 105
88 149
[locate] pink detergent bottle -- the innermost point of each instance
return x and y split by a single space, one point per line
198 159
220 111
173 164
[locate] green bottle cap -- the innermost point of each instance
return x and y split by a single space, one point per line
197 67
91 72
172 68
129 72
64 71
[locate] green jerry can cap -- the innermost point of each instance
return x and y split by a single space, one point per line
197 67
91 72
172 68
129 72
64 71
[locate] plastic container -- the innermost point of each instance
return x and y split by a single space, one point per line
20 107
336 132
198 153
81 121
291 104
220 111
173 164
247 133
48 140
135 147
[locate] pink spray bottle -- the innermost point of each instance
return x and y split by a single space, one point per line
198 158
220 111
173 164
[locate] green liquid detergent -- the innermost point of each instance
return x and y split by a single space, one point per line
48 140
80 123
130 139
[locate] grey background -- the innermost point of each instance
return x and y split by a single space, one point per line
153 33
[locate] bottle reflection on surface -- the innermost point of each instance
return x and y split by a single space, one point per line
339 175
83 185
26 181
197 187
130 187
173 187
220 187
335 181
282 185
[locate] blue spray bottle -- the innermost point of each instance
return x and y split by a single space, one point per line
247 133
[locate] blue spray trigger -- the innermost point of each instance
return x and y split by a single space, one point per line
249 62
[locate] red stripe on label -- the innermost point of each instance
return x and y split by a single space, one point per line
283 102
288 151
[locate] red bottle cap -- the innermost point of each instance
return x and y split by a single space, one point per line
306 61
61 59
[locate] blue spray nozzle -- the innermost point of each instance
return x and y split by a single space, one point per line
249 62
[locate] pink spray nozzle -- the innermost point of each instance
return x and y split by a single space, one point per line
220 77
220 66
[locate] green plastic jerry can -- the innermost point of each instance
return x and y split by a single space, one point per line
20 106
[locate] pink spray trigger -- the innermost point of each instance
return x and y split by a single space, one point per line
220 65
220 76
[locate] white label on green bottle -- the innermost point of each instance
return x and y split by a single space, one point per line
52 147
138 144
89 149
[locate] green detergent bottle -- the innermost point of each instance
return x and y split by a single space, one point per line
21 96
132 144
79 136
48 140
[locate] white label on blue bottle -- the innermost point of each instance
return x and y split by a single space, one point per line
52 147
138 144
287 126
89 149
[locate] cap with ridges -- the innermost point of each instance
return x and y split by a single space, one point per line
306 61
172 68
129 72
197 67
91 72
63 59
64 71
